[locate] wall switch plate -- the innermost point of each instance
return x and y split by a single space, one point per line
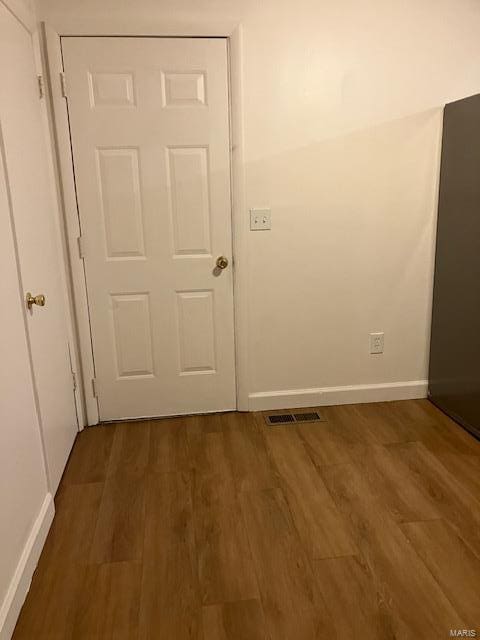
377 341
260 219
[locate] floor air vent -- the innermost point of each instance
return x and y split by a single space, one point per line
311 416
290 418
277 418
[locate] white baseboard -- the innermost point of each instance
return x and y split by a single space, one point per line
27 563
298 398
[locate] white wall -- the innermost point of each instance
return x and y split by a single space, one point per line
342 124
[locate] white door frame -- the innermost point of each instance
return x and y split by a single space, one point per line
66 187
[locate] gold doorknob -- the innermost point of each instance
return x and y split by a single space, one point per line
38 300
222 262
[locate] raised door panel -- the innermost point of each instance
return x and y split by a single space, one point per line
121 203
132 335
196 331
188 186
184 89
111 89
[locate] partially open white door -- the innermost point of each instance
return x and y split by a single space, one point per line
150 138
30 192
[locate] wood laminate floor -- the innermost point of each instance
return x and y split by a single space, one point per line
365 526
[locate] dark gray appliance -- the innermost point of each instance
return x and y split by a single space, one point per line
454 376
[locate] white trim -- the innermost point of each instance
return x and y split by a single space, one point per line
239 217
57 187
63 153
70 221
20 583
156 28
352 394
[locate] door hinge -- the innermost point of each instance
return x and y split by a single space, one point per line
41 87
74 378
81 247
94 387
63 84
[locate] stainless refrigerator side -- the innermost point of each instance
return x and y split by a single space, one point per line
454 374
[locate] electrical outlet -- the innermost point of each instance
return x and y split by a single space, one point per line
260 220
376 342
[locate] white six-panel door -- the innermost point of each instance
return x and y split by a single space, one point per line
150 138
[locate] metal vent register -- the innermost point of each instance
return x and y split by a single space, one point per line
291 418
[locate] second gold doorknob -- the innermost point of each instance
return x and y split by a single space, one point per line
38 300
222 262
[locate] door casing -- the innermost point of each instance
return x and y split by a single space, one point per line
51 43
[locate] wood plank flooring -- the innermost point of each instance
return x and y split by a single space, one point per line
362 527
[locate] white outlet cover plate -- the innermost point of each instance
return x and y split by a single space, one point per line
377 342
260 219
